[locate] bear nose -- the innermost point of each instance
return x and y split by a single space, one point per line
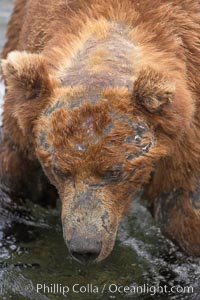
84 250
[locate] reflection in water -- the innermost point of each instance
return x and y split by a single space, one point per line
32 251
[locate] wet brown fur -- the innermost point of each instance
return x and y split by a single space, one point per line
138 58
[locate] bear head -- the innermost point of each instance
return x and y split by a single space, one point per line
98 147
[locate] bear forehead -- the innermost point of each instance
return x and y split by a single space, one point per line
82 126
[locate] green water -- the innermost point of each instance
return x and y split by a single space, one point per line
32 253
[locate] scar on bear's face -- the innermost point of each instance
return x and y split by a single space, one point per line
143 138
88 126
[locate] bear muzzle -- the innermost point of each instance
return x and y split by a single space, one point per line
89 227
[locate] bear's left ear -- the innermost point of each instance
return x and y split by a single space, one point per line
27 74
152 90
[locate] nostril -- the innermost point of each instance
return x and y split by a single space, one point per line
85 257
84 250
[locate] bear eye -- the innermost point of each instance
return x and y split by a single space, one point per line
112 174
60 173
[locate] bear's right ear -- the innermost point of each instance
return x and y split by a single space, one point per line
26 74
28 87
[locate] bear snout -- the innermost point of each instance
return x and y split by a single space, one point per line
84 250
89 227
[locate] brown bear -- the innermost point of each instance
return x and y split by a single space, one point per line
102 102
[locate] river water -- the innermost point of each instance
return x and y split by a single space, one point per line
33 257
